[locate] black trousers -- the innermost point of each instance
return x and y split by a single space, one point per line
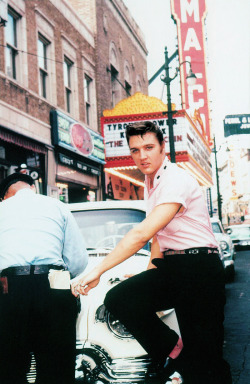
194 286
35 318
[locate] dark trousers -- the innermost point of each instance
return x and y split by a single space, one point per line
35 318
194 286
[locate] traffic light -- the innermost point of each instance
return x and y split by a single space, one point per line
220 199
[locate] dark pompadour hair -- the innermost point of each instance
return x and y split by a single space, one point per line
140 128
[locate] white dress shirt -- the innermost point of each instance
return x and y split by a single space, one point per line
37 229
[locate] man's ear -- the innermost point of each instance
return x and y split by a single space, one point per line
33 187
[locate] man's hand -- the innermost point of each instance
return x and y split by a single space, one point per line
84 285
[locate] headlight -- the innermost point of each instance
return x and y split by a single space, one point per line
223 245
115 326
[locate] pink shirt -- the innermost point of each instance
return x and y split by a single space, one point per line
190 228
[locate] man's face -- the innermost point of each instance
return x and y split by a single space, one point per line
147 153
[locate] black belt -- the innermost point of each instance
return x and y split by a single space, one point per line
29 270
191 251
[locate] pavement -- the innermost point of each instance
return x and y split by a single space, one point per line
237 321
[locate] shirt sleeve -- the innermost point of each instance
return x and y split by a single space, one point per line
174 191
74 250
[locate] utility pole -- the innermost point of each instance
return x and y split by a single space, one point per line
219 201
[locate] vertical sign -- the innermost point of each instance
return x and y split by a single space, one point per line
189 16
232 168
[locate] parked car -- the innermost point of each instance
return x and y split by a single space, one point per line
226 246
240 235
106 351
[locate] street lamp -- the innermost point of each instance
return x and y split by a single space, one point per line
167 80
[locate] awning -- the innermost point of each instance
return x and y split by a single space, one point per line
21 142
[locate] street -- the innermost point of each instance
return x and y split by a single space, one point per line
237 320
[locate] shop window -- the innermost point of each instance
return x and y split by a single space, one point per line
67 69
91 196
63 192
42 48
87 98
2 152
12 43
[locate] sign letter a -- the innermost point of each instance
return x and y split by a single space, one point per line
192 40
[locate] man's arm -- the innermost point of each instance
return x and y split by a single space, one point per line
132 242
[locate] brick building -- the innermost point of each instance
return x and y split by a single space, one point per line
48 115
62 62
121 54
121 63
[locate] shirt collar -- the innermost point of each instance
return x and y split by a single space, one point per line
158 174
24 191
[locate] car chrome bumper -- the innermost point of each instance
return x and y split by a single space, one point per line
95 363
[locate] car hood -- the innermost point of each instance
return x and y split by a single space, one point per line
134 265
223 237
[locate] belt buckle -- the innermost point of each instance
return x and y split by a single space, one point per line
194 251
40 269
25 270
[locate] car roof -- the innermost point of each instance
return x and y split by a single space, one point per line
239 226
108 204
214 220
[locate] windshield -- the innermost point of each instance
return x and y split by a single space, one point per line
104 228
239 232
216 228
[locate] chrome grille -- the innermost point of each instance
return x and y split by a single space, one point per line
31 375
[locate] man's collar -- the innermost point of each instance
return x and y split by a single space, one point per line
158 174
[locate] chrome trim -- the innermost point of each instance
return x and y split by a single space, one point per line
123 370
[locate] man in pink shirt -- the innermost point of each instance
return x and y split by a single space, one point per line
184 272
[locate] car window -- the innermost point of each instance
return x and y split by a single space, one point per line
106 227
216 228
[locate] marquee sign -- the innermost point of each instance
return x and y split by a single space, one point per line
75 137
189 16
189 143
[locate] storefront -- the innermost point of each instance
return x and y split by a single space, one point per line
191 147
19 152
79 158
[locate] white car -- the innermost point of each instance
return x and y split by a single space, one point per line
227 247
240 235
106 351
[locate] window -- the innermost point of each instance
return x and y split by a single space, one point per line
127 80
11 43
138 86
128 88
67 68
87 98
43 64
114 85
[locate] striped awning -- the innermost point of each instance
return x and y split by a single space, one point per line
13 138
